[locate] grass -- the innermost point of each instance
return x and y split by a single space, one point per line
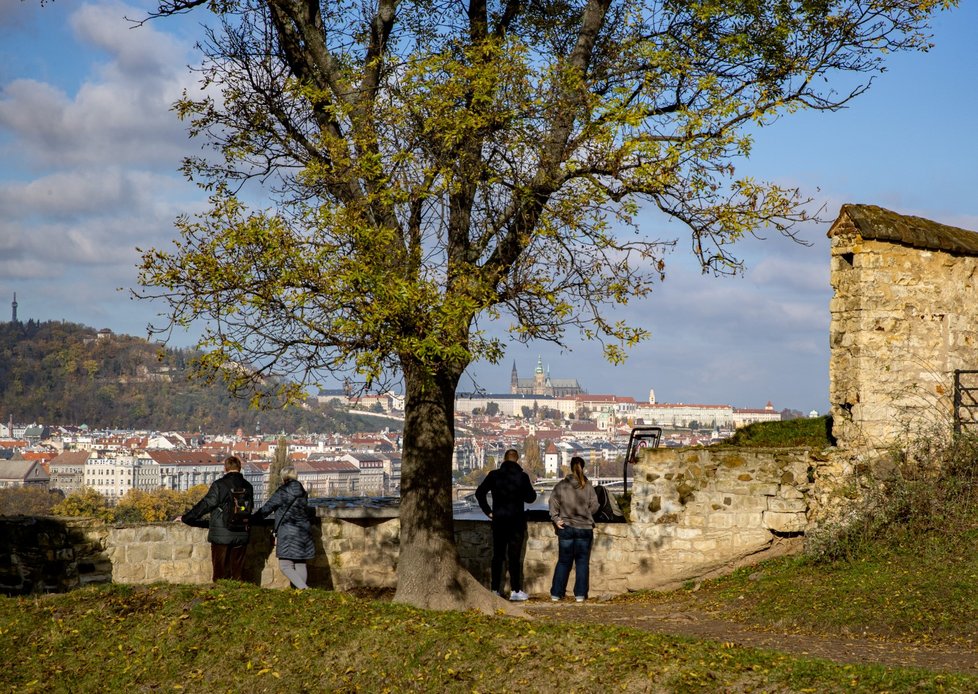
235 637
911 578
894 594
812 432
905 568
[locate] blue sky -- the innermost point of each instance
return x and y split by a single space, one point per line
89 151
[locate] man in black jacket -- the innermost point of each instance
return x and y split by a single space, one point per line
228 546
510 488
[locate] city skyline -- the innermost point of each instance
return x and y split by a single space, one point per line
91 152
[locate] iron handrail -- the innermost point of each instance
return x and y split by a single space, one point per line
641 437
960 392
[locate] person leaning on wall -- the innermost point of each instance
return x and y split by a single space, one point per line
228 547
573 504
511 488
292 529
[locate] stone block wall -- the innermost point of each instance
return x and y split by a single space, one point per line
349 554
51 555
695 512
903 318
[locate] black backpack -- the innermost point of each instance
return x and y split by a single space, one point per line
608 511
237 510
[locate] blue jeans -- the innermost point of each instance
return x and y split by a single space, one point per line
574 547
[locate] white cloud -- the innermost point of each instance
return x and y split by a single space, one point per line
68 194
135 50
120 114
91 166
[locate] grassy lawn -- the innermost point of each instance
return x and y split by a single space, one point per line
905 570
922 592
239 638
813 432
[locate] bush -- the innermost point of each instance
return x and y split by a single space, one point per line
135 507
931 490
84 502
159 505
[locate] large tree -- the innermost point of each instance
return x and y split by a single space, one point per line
388 177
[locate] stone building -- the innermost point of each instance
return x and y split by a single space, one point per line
68 471
328 477
22 473
111 473
904 317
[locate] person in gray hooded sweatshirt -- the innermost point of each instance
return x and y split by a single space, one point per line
573 504
292 529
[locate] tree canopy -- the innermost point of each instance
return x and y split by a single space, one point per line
424 167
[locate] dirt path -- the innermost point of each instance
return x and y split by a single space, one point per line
665 619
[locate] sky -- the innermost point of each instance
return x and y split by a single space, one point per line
90 150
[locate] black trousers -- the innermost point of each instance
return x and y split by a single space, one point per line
228 561
508 536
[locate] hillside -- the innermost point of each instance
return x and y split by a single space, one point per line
64 373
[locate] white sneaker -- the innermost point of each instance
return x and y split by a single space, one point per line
579 598
518 596
554 598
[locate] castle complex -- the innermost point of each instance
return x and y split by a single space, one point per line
542 384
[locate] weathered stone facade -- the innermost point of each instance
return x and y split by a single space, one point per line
904 316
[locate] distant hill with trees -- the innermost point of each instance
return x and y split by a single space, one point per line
70 374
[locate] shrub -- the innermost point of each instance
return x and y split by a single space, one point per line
159 505
84 502
932 489
136 506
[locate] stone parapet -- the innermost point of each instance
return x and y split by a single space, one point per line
695 512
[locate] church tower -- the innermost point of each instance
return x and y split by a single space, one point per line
514 381
539 378
14 307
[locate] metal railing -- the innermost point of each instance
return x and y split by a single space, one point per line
641 437
965 400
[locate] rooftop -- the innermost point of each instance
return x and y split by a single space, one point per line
880 224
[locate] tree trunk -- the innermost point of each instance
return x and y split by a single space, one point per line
429 573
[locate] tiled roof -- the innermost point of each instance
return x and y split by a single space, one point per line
164 457
17 469
881 224
71 458
326 466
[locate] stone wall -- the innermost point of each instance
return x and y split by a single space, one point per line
695 512
47 555
903 318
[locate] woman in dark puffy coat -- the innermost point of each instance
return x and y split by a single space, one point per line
292 529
